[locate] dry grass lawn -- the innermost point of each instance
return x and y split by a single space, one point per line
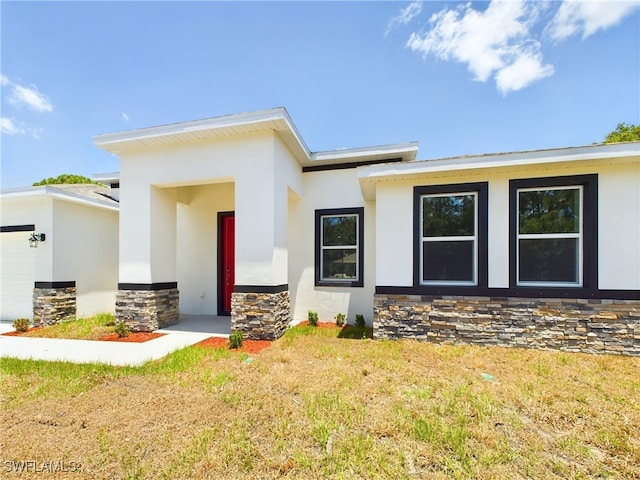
317 406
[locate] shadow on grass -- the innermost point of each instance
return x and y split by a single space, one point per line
354 332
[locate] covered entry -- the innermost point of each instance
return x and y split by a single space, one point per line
181 250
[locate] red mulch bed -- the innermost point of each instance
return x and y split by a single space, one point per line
133 337
17 334
248 346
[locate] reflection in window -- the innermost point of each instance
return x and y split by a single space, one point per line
449 239
549 238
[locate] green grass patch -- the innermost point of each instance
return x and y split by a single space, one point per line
90 328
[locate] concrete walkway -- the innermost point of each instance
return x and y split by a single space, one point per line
191 329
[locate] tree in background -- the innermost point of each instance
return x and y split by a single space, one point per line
65 179
624 132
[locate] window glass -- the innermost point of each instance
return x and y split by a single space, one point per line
339 230
448 261
339 264
549 211
549 260
448 215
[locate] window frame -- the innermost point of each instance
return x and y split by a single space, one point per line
588 239
480 270
358 212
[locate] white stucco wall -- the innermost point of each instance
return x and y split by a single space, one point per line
619 227
197 243
618 220
21 265
260 205
81 245
321 190
85 249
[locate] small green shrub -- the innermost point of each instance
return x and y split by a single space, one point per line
313 318
360 321
235 339
122 329
340 318
21 324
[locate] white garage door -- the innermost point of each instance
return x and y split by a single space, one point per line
17 271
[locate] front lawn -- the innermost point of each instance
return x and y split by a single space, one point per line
314 405
90 328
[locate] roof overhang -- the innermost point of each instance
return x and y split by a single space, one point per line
58 194
368 176
276 120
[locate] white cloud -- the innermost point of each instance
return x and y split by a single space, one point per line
125 117
495 42
30 97
4 81
8 127
587 17
407 14
524 70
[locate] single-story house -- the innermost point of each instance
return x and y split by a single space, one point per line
236 216
59 252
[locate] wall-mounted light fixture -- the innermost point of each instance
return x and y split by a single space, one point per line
35 238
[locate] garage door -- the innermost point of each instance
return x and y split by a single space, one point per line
17 272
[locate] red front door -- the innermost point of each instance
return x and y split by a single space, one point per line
226 238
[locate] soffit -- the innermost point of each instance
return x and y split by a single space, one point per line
276 120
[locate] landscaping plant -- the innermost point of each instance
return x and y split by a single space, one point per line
235 339
340 318
360 322
21 324
122 329
313 318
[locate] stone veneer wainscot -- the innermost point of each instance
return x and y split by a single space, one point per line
146 310
575 325
260 316
53 302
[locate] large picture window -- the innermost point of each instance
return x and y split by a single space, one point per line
554 232
451 230
339 249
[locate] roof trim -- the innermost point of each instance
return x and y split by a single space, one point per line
275 119
261 120
368 176
58 194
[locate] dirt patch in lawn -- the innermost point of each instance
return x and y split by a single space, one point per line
322 325
133 337
248 346
316 406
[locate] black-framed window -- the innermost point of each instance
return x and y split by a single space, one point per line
339 249
450 236
553 227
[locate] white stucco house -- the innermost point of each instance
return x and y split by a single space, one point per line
236 216
59 252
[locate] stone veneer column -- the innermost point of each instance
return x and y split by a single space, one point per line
147 307
53 302
263 314
569 324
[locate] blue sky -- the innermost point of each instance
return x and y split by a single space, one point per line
460 78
